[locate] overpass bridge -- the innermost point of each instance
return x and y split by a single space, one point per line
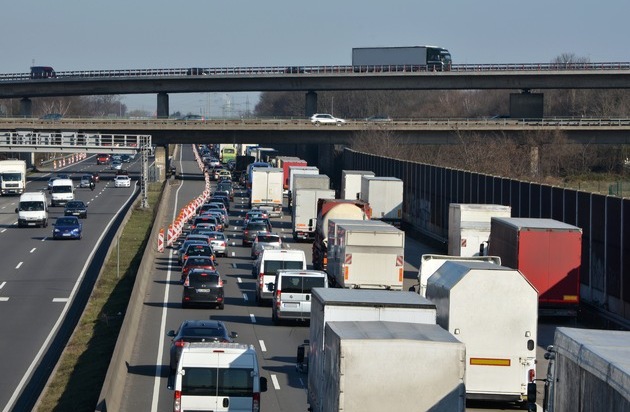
311 79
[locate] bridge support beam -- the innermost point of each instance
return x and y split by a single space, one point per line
311 104
526 105
26 107
162 106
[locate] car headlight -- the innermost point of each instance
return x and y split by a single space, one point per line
56 230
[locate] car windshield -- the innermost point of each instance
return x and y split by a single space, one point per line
66 221
198 261
257 226
198 250
268 238
31 206
203 332
62 189
271 266
74 204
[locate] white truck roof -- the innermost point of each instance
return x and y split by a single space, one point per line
371 298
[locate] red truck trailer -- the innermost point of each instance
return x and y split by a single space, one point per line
548 252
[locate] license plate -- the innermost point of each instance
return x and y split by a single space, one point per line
291 305
67 234
203 290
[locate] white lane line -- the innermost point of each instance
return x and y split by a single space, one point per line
4 299
245 298
233 265
19 264
274 380
239 280
62 300
2 284
233 253
3 230
44 238
33 250
252 317
262 345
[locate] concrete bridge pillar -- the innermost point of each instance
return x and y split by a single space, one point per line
26 107
162 106
311 104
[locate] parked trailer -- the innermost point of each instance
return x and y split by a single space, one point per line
469 227
377 366
351 183
429 264
494 311
365 255
304 211
329 305
588 371
385 196
548 252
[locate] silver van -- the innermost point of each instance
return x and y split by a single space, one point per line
292 293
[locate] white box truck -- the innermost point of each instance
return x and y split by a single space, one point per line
430 263
267 189
389 366
300 170
366 255
12 177
588 371
304 211
351 183
494 311
330 305
469 227
385 196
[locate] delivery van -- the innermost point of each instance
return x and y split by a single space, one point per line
292 293
218 377
61 192
268 263
32 209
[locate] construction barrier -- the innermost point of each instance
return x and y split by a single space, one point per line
160 242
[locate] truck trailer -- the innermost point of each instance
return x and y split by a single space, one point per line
548 252
12 177
415 58
385 196
366 254
304 211
492 309
469 227
351 183
381 366
330 305
267 189
307 181
588 371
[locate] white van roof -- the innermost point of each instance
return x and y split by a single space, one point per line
232 354
62 182
29 196
283 254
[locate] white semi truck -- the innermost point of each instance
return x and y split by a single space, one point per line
12 177
304 211
385 196
469 227
351 183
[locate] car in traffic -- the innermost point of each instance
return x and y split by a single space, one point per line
116 165
67 227
102 159
86 181
265 240
203 287
193 118
251 230
51 117
379 118
219 241
197 262
197 331
76 208
122 181
204 219
324 118
184 246
197 249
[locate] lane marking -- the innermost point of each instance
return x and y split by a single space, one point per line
19 264
62 300
252 317
44 238
33 250
239 280
3 230
233 265
245 298
262 345
4 299
274 380
2 284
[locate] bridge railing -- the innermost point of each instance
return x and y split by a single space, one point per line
56 141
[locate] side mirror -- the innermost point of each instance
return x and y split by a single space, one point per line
17 210
234 335
263 384
170 333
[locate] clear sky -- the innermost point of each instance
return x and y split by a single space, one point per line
117 34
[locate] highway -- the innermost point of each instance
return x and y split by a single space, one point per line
43 280
146 385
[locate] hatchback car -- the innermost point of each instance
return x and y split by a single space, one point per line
122 181
184 245
116 165
203 287
197 331
85 182
219 242
265 240
76 208
197 262
196 249
102 159
321 118
67 227
251 229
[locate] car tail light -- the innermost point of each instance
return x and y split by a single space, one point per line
177 403
278 300
184 257
261 279
187 282
256 402
179 343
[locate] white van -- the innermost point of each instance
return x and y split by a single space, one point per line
32 209
268 263
218 377
292 293
61 192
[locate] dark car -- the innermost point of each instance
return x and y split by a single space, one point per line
197 262
203 287
251 229
204 219
197 331
67 227
76 208
102 159
197 250
219 198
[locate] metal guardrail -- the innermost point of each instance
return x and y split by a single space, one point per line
73 142
297 70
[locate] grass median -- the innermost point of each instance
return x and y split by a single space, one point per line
80 372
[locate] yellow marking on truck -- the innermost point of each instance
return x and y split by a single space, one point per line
490 362
570 298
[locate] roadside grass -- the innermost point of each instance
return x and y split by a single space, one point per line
80 373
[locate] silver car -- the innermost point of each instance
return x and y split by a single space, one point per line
265 240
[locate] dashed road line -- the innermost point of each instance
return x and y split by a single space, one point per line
262 345
274 380
245 298
3 299
60 300
2 284
33 250
252 317
239 280
19 265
